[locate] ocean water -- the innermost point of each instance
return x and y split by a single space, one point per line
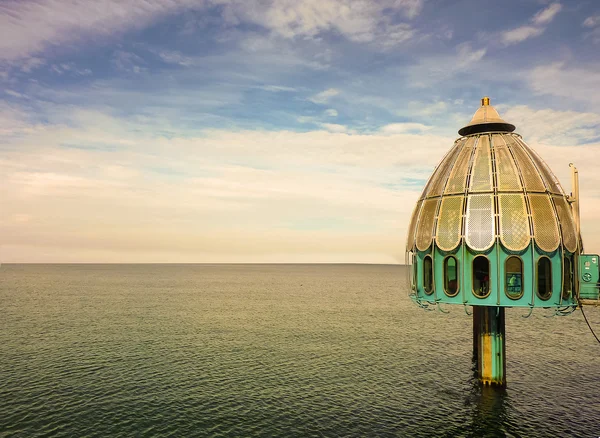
273 350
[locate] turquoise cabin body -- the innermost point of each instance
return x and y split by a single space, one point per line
531 278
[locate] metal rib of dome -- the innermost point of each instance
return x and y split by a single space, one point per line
492 187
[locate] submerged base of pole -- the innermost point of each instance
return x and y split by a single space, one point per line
489 344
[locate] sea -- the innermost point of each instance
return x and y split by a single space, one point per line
202 350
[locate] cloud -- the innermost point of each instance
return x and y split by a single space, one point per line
436 68
30 64
28 28
391 36
426 109
127 62
561 128
16 94
521 34
536 28
592 21
581 82
357 20
174 57
545 16
467 55
277 88
333 127
403 128
97 185
69 67
324 96
331 112
306 119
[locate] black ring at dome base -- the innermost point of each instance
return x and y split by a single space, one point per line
486 127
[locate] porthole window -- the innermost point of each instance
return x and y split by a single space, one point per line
544 278
450 276
567 287
513 277
481 276
428 275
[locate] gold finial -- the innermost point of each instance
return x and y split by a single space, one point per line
485 101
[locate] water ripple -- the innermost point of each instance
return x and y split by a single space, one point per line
258 350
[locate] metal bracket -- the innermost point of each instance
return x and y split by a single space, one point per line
440 308
529 314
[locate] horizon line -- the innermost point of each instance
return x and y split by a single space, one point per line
199 263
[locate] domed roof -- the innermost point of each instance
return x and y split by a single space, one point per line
491 186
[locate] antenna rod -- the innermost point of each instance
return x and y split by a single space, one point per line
575 198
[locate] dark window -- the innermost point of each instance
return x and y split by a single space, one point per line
567 288
513 277
415 270
544 278
451 276
481 276
428 274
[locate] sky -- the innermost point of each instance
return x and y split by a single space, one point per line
271 131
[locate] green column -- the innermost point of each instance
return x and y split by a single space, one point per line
489 346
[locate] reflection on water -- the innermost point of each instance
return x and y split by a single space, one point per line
489 406
280 350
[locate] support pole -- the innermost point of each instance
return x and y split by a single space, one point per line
489 345
476 318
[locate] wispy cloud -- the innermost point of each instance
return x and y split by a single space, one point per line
593 23
521 34
30 27
403 128
277 88
69 67
546 15
579 82
534 29
285 175
174 57
360 21
561 128
324 96
444 66
127 62
334 127
31 64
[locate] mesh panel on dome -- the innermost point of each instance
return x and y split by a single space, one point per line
545 227
481 173
567 223
449 223
480 227
425 227
410 238
514 223
506 169
531 178
549 178
445 167
458 176
439 170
